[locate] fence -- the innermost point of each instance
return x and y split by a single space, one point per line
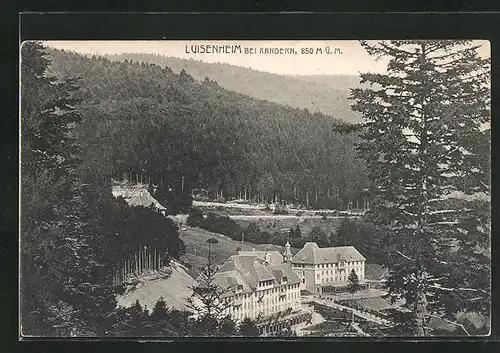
143 260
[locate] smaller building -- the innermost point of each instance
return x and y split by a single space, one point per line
137 195
327 269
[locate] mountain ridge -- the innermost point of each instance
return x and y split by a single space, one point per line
328 94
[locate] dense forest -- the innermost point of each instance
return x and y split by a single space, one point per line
318 93
143 119
73 232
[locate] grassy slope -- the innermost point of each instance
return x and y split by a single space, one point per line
174 289
197 248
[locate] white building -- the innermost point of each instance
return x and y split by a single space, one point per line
322 268
260 286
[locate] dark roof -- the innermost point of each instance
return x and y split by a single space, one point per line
136 196
275 256
248 270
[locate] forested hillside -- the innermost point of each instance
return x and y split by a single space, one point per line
73 232
318 93
176 130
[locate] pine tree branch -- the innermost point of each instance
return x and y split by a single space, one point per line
450 223
457 289
451 322
406 257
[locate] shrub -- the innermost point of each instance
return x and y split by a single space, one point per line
278 209
195 217
222 225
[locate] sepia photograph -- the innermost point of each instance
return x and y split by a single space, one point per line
255 189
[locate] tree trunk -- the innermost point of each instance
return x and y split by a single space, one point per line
419 314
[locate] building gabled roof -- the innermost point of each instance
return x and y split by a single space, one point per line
136 196
311 253
275 256
247 271
285 270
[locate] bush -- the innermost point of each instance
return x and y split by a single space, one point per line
297 242
195 217
254 235
278 209
318 236
277 239
176 201
221 199
222 225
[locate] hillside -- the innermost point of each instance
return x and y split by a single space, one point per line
174 289
192 134
196 255
318 93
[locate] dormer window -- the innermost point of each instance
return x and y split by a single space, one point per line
285 279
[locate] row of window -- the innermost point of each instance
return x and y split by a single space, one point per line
249 305
267 293
239 313
282 287
349 263
265 283
340 278
330 272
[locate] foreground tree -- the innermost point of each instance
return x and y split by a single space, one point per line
63 282
353 286
209 301
426 146
247 328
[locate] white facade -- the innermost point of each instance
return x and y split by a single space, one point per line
265 301
324 266
258 285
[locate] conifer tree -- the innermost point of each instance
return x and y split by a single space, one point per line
209 301
51 231
426 144
64 282
353 285
247 328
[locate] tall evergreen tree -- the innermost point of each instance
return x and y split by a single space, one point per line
248 328
59 293
209 301
426 145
